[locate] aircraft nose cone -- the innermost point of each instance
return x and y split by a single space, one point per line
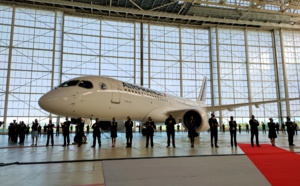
47 102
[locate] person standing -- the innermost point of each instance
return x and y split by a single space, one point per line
247 128
272 131
290 130
39 130
232 129
283 128
128 126
170 123
213 123
10 132
22 132
254 130
66 132
113 131
27 130
277 128
15 132
295 127
150 126
240 128
87 129
45 129
192 130
79 131
57 129
34 132
50 127
263 128
96 133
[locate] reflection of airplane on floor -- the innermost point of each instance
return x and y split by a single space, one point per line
105 98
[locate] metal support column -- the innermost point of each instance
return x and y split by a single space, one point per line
141 52
9 66
286 90
248 71
180 62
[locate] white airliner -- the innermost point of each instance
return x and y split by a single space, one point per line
104 98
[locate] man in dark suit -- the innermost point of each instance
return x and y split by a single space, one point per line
170 123
96 133
213 123
50 129
290 130
232 129
66 131
254 130
128 126
150 126
79 131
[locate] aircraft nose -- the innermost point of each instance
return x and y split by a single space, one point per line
47 102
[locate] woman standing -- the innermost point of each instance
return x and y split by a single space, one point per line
34 132
272 131
192 130
113 131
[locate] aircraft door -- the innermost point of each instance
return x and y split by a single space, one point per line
116 96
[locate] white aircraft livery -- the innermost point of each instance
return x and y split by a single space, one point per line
104 98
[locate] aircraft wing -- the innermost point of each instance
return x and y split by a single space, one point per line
230 107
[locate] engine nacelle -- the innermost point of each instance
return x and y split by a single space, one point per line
199 116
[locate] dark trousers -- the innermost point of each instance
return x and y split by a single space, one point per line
94 139
254 133
129 139
22 137
233 138
151 140
169 134
79 139
214 138
66 138
50 135
291 137
15 138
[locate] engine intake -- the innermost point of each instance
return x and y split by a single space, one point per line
197 117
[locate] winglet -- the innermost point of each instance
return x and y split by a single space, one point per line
202 93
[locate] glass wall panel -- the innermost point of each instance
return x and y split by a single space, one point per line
233 71
291 41
262 72
164 59
31 62
195 61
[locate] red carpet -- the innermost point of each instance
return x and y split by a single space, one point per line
279 166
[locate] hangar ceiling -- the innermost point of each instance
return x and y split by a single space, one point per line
245 13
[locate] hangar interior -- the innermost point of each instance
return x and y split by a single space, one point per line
248 50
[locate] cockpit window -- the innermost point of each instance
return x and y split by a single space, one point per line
86 84
102 86
69 83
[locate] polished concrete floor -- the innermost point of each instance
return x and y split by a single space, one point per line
41 165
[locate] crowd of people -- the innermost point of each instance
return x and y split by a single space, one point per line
292 128
19 131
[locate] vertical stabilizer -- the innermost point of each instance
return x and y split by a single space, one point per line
202 93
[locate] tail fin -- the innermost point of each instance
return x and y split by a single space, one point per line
202 93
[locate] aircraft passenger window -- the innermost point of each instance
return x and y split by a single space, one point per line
69 83
102 86
86 84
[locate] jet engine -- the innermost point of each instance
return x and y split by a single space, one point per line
199 116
